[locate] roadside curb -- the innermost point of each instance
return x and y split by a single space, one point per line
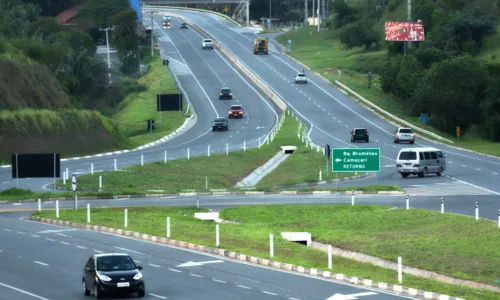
221 193
254 260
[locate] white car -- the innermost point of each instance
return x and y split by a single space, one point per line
301 78
166 18
207 44
404 135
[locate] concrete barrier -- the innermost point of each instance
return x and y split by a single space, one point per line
196 9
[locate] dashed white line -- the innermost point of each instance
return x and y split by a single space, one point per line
41 263
138 261
50 240
81 247
35 236
478 169
495 173
20 232
269 293
464 166
7 229
174 270
98 251
216 280
23 291
195 275
64 243
157 296
153 265
290 298
244 287
62 234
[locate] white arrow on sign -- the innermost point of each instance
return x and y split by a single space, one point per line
197 264
350 297
338 159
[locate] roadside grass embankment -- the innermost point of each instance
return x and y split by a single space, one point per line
325 55
221 171
448 244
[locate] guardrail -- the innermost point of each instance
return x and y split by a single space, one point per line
196 9
391 115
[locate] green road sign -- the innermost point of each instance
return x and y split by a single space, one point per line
356 160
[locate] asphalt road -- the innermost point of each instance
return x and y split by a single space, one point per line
202 74
41 261
331 115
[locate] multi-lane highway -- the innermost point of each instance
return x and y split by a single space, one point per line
202 74
331 115
45 262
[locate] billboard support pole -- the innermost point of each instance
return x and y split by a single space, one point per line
17 172
409 20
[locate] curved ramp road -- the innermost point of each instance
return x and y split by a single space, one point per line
201 74
32 250
331 115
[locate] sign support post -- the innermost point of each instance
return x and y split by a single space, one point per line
73 186
356 160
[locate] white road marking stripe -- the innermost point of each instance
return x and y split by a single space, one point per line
23 291
98 251
195 275
157 296
62 234
244 287
7 229
41 263
35 236
20 232
153 265
80 247
269 293
50 240
220 281
495 173
292 298
174 270
64 243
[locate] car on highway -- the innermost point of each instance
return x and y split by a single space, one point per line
235 111
167 18
166 23
184 25
207 44
225 93
360 134
420 161
404 135
220 123
112 273
300 78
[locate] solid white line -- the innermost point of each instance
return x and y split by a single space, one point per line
64 243
220 281
269 293
292 298
157 296
244 287
35 236
98 251
195 275
41 263
153 265
174 270
80 247
62 234
128 250
22 291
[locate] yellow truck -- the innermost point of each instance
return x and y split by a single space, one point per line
260 45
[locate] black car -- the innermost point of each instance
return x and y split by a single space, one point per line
112 273
360 134
220 123
225 93
184 26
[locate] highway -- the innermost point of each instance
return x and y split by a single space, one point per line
202 74
331 115
45 262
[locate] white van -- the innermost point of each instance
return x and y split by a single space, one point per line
420 161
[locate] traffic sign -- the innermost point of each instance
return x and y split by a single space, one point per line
289 43
356 160
458 131
73 182
424 118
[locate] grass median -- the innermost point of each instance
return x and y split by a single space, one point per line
448 244
221 171
326 56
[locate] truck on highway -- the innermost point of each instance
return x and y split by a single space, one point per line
260 45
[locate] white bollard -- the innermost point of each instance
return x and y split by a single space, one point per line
477 211
352 198
227 148
168 227
125 223
165 157
57 209
188 153
142 159
92 168
320 175
400 270
116 166
407 201
442 205
39 204
208 151
88 212
67 174
64 178
330 257
271 245
244 145
217 235
100 181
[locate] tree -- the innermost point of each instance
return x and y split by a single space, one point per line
427 57
99 13
401 77
344 14
359 34
51 8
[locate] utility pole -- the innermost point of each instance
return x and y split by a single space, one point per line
107 48
323 10
319 14
270 2
314 12
306 15
408 44
152 34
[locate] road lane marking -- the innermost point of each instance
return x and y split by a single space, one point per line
41 263
22 291
216 280
7 229
20 232
98 251
35 236
81 247
153 265
157 296
64 243
50 240
62 234
195 275
244 287
269 293
174 270
290 298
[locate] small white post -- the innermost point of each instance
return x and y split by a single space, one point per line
477 211
67 174
126 218
197 203
320 174
116 166
142 159
244 145
92 168
400 270
407 201
64 178
352 198
307 143
208 151
165 157
39 204
88 212
206 183
188 153
442 205
100 181
329 256
271 245
168 227
217 235
57 209
227 148
260 145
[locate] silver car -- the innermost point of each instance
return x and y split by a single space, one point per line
404 135
301 78
420 161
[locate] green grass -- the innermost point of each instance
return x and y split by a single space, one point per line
450 244
326 55
223 171
137 108
14 194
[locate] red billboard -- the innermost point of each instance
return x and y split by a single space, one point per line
404 31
